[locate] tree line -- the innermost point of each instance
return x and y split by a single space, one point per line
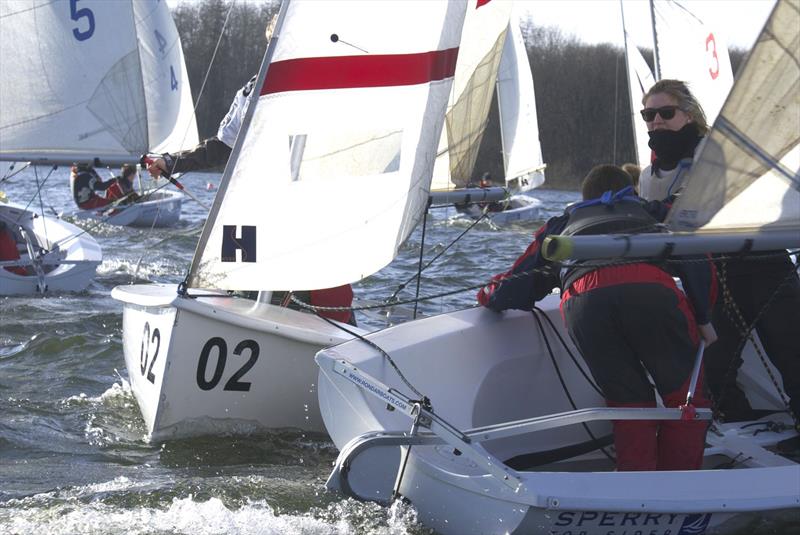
582 98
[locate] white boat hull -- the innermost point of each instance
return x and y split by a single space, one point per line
220 365
479 368
71 269
519 209
161 209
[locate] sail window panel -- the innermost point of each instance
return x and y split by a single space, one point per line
345 154
118 104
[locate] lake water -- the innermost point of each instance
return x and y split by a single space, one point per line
73 454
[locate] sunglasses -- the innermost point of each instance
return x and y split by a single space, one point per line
666 113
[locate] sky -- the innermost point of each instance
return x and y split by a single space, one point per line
599 21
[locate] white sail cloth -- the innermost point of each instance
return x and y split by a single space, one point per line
691 50
332 172
519 124
640 79
91 80
747 174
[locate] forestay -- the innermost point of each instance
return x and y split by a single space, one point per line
736 182
332 171
522 152
692 50
91 80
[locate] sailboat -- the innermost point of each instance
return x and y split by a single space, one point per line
493 60
102 82
471 416
348 116
51 255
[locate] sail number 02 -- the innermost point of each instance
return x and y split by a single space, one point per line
235 382
144 356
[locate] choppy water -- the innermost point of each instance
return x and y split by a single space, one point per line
73 458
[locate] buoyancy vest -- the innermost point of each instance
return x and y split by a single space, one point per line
232 122
607 215
84 183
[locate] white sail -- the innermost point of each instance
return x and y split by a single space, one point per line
516 100
640 79
94 79
694 51
471 98
747 174
333 170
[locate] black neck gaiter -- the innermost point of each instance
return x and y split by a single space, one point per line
671 146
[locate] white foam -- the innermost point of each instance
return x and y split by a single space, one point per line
186 515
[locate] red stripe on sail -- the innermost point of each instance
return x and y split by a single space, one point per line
482 3
341 72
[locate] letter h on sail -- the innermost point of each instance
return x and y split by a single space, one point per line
231 242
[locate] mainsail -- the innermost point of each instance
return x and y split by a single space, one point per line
91 80
689 49
519 125
333 168
485 28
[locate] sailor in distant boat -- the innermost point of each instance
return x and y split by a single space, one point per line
763 286
86 184
8 249
610 312
122 188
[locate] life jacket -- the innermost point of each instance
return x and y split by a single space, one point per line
83 183
119 189
610 214
232 122
8 251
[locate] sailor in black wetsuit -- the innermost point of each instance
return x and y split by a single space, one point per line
85 182
626 320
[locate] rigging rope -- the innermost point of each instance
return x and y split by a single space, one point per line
746 330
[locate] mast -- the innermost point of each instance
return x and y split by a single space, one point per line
656 62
